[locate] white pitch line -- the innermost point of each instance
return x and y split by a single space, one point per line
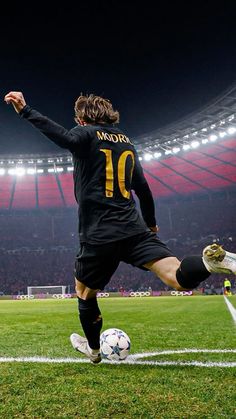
182 351
184 364
135 359
231 308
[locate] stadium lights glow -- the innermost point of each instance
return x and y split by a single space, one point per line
205 141
2 171
175 149
31 171
231 130
222 134
195 144
40 171
147 157
70 169
18 171
157 155
186 147
213 137
55 169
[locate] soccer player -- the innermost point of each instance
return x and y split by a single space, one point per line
111 229
227 287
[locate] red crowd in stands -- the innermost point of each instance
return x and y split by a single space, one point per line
39 248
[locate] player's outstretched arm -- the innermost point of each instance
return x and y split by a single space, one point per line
55 132
16 99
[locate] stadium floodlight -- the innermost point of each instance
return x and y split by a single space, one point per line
18 171
157 155
147 157
195 144
59 169
186 147
40 171
204 141
222 122
222 134
168 152
31 171
213 137
231 130
2 172
70 169
175 150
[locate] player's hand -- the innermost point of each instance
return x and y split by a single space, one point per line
155 229
16 99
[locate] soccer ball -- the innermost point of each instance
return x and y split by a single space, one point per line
114 345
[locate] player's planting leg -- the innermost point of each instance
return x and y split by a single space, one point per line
91 322
81 345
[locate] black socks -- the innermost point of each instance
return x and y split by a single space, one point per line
191 272
91 321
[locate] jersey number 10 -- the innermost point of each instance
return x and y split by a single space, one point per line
109 188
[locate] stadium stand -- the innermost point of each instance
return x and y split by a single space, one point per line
190 166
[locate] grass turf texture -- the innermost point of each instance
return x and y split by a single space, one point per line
42 328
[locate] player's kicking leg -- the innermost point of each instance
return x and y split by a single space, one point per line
192 270
91 321
218 260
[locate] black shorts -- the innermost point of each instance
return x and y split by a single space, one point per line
95 264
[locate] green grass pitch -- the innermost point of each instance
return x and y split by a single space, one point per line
81 390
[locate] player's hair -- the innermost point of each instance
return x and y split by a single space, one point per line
95 110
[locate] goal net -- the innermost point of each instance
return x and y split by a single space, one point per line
47 290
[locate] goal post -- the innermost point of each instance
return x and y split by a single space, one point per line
48 290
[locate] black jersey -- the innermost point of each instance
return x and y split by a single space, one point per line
106 170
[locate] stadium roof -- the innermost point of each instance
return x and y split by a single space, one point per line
192 156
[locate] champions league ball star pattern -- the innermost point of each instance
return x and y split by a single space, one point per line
114 345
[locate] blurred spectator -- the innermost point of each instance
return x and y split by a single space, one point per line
39 247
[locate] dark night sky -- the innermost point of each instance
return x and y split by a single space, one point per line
156 66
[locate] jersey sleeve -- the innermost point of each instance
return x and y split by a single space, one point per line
73 140
144 194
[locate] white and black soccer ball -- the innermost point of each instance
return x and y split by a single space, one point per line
114 345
